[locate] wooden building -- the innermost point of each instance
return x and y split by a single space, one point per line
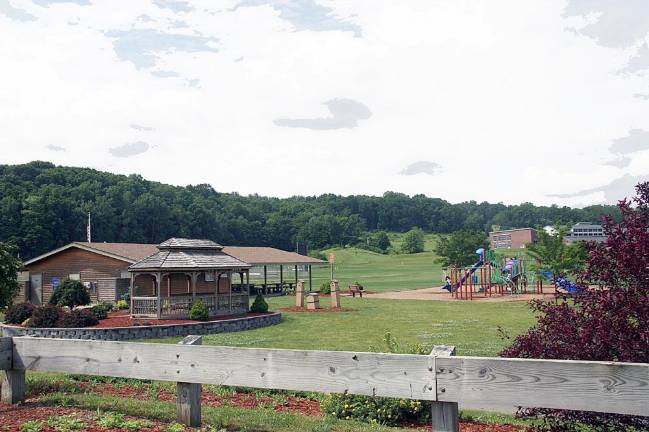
103 267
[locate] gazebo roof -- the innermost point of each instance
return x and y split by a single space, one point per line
189 254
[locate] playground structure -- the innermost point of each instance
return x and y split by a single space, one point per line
491 276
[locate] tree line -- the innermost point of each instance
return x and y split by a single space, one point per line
43 206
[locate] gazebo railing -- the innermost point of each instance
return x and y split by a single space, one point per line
179 307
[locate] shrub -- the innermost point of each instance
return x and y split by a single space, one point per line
122 305
78 318
32 426
101 310
66 423
18 313
610 324
325 288
46 316
259 305
71 293
413 241
380 410
199 312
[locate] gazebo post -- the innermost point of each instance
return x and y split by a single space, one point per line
159 292
310 279
130 291
247 290
295 274
194 276
217 277
230 285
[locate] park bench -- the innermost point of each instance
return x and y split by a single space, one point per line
355 289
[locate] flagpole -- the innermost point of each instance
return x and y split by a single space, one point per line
89 230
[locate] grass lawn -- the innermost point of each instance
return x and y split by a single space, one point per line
377 272
471 326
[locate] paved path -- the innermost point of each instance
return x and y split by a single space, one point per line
436 293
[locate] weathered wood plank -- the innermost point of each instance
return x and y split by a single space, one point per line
503 384
445 416
392 375
6 352
13 386
188 395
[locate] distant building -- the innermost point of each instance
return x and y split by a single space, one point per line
512 239
585 231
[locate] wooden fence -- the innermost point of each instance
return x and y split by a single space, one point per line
472 382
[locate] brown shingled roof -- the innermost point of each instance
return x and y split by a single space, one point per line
267 255
134 252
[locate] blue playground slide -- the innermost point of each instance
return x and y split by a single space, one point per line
474 267
569 287
563 283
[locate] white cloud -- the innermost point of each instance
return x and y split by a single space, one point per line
485 90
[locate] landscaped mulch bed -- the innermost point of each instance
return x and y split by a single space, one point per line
321 310
12 417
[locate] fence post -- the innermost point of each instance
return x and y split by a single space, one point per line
445 416
188 401
13 380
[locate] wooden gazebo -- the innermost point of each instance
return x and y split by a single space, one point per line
166 284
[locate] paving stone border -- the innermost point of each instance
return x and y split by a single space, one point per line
148 332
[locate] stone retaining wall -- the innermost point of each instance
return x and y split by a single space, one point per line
148 332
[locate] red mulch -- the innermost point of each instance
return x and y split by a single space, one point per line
13 416
122 319
304 309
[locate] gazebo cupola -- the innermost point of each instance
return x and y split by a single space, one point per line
183 272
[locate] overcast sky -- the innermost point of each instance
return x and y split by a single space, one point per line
507 100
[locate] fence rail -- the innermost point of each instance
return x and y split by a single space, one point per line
473 382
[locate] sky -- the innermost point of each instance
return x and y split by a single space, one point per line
502 101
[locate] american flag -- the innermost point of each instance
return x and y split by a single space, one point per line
88 236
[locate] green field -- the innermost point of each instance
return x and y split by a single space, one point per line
378 272
471 326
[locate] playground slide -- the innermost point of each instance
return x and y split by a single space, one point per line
563 283
474 267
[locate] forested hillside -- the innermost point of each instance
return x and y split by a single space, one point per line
43 206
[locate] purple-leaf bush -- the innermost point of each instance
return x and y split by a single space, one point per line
609 321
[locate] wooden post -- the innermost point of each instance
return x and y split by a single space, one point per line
281 277
230 288
263 289
310 279
445 416
299 294
188 400
335 294
296 274
158 283
13 380
194 277
247 290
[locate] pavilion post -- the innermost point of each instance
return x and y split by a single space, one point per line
263 290
281 277
310 279
296 273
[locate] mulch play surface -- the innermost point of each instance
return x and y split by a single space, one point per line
321 310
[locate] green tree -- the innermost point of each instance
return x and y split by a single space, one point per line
413 241
459 248
553 255
71 293
9 267
381 241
